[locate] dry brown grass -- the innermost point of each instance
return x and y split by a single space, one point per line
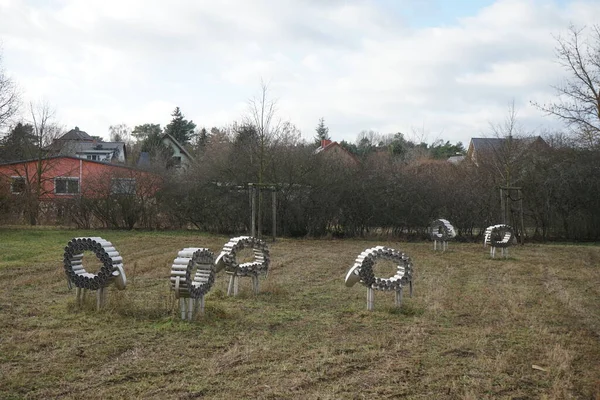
473 330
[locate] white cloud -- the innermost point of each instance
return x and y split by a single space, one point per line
104 62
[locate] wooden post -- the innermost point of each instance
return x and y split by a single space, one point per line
255 283
250 206
253 201
502 205
236 284
522 222
274 203
260 214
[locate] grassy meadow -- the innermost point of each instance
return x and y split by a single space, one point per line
476 328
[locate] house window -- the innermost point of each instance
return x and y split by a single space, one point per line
17 184
92 157
66 185
122 186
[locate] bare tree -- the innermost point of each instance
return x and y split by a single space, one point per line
578 103
262 116
119 198
505 155
44 126
9 96
120 133
34 172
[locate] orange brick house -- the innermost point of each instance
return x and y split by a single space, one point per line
61 177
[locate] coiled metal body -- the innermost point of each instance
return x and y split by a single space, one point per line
228 260
441 230
111 271
498 236
192 276
362 271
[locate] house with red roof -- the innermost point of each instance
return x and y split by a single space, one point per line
334 151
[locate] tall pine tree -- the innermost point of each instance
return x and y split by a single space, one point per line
322 132
19 144
202 139
180 128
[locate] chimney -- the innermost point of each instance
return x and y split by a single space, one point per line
325 142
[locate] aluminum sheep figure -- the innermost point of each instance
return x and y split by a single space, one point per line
362 271
498 236
192 276
112 270
228 260
441 231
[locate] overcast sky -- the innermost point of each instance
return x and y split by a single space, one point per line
432 69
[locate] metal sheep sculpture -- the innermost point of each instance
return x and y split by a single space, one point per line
192 276
498 236
362 271
112 270
228 260
441 231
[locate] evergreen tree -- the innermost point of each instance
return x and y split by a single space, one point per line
351 147
202 139
365 146
399 145
441 151
151 142
322 132
141 132
19 144
149 138
180 128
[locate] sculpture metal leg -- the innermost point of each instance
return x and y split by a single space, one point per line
99 299
78 295
370 299
230 286
200 305
190 309
182 307
399 297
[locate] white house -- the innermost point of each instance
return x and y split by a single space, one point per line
181 157
77 143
